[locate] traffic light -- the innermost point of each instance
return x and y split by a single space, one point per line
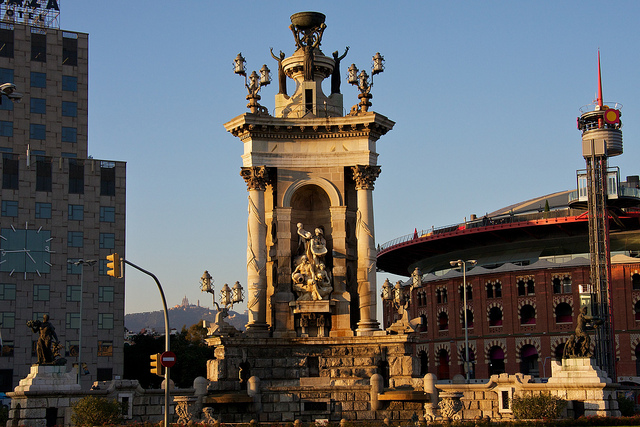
156 366
113 267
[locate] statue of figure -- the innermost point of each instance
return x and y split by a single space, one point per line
46 339
282 78
579 344
311 280
335 76
310 40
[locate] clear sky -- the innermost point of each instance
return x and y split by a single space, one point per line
485 97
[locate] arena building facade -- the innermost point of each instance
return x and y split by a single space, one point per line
531 279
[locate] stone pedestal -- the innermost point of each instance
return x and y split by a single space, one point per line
581 380
43 397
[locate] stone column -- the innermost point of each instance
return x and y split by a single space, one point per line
365 176
256 179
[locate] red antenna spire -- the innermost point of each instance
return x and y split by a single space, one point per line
599 100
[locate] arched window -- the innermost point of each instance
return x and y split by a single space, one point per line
522 289
529 361
424 363
635 281
494 289
526 286
561 285
438 296
638 360
443 321
469 293
564 313
531 287
443 365
469 319
472 358
527 315
495 316
496 360
423 325
559 352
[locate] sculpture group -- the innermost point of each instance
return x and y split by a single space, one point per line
311 280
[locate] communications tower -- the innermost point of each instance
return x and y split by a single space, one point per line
601 138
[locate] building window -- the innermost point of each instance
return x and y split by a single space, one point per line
443 321
41 292
441 296
529 361
73 292
527 315
7 291
38 106
37 131
105 348
107 240
469 293
39 47
10 167
635 281
494 289
76 176
107 214
561 285
496 360
43 210
72 321
9 208
75 239
105 293
36 315
443 365
6 44
526 286
636 309
105 320
495 316
70 51
38 79
72 267
6 128
104 374
102 267
7 319
76 212
564 313
69 83
72 348
69 109
469 319
69 134
7 348
107 178
43 174
6 74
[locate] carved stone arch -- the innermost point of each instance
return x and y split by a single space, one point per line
469 307
422 311
635 341
527 301
527 341
472 348
326 185
443 309
422 347
556 341
488 345
562 298
636 298
442 346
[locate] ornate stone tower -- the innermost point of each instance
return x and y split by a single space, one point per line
310 165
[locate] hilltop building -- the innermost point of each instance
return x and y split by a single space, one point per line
59 205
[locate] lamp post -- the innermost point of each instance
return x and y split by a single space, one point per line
228 297
463 265
253 83
81 262
361 81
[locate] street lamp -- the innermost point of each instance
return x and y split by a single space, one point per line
228 297
253 83
81 262
361 81
463 264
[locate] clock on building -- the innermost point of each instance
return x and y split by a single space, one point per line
25 251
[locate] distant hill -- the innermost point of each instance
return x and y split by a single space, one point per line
179 316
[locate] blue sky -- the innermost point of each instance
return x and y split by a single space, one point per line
484 95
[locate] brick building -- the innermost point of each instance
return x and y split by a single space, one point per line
59 205
523 296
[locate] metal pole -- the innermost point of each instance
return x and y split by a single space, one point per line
466 324
80 320
166 339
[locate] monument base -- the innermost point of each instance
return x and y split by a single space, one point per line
585 386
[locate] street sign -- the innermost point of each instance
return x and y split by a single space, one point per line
168 359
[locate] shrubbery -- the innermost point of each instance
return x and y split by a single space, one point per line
96 411
536 407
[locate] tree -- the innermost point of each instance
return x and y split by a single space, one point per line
191 352
96 411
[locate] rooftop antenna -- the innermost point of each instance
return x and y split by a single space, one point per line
599 99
